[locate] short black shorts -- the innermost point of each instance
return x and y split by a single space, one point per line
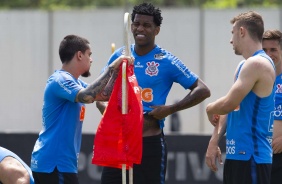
246 172
152 168
276 172
55 177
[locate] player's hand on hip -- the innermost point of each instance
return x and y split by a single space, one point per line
159 111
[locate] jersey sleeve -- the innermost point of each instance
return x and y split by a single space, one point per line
181 73
65 87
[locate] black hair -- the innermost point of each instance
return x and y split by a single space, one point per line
148 9
70 45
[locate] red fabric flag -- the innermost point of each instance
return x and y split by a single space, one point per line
118 139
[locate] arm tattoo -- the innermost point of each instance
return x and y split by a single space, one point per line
110 85
96 90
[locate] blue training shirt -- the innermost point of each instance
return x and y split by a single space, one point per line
278 98
155 73
59 141
250 127
7 153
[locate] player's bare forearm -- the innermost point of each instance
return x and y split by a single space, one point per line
100 89
199 92
219 129
101 106
107 91
277 137
213 153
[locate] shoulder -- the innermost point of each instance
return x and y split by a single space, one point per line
165 55
61 76
161 52
118 52
239 66
12 170
84 84
259 62
257 67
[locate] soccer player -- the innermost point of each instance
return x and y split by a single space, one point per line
156 70
272 45
249 105
55 155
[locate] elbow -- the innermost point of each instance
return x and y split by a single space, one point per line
203 88
206 93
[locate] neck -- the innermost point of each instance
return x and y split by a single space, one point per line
143 50
250 49
71 70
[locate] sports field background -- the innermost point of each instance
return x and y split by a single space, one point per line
29 54
29 41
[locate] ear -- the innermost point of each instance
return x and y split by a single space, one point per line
242 31
79 55
157 30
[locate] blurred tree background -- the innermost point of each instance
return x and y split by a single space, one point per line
88 4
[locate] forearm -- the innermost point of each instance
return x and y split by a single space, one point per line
221 106
277 128
101 106
277 137
100 89
219 130
194 97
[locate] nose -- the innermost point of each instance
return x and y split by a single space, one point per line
140 27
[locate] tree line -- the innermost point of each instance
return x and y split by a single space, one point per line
89 4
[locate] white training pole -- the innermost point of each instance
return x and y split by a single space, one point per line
130 175
126 21
126 53
124 109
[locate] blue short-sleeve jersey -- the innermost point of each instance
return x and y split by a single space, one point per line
59 141
155 73
278 98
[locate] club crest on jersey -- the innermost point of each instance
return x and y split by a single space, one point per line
152 68
279 88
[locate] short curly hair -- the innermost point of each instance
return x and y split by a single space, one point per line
148 9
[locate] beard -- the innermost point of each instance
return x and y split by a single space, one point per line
86 74
236 51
